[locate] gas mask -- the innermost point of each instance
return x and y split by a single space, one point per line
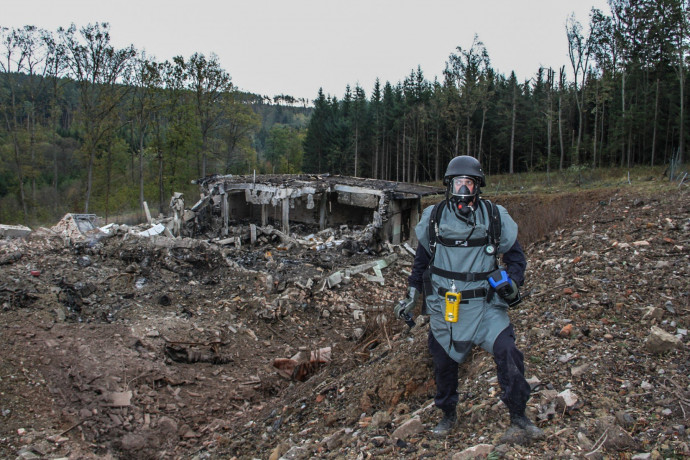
463 191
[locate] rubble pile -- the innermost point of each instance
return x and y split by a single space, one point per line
262 343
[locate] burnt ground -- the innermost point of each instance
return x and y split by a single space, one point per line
126 348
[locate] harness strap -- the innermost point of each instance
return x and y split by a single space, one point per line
459 276
471 243
494 223
494 229
470 294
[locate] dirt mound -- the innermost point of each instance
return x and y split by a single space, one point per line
139 348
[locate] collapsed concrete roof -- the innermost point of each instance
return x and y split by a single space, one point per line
322 182
389 208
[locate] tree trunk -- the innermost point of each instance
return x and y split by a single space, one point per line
468 136
594 137
560 130
623 120
141 170
397 159
89 178
356 148
656 117
512 131
20 174
681 99
481 136
160 181
403 147
375 172
437 161
108 169
549 123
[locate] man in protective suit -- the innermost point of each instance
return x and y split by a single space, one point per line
466 293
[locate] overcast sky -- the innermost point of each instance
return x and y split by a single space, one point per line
295 47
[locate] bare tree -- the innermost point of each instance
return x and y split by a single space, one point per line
549 116
513 83
146 80
561 89
209 82
97 67
55 69
467 70
579 48
23 67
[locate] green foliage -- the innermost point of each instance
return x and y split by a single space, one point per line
91 126
626 107
284 152
88 123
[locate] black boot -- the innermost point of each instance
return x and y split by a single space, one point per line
523 423
449 420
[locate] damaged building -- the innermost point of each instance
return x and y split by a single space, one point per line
387 211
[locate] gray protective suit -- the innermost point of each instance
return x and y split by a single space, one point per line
480 320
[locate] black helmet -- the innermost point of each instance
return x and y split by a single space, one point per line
464 165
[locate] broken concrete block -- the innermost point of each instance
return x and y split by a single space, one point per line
334 279
478 451
155 230
375 279
660 341
653 313
409 249
14 231
148 213
534 382
386 261
408 429
120 398
360 268
579 370
566 400
188 215
381 419
76 226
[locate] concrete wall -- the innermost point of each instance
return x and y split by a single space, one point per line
402 218
353 209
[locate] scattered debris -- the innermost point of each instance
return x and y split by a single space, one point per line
152 346
77 227
299 367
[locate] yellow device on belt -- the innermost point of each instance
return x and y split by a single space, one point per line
452 303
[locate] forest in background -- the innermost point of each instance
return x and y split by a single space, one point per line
624 106
87 127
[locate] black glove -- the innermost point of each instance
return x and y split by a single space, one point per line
505 287
406 305
511 292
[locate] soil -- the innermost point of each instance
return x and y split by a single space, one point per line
124 348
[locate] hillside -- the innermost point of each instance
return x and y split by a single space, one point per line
129 347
